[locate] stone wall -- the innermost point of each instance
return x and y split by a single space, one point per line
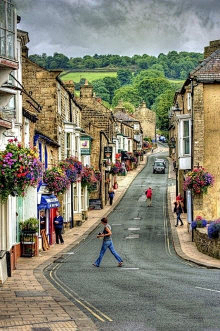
213 46
147 118
207 147
205 245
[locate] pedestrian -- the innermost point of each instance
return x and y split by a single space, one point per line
107 243
179 197
148 193
42 220
58 225
111 195
179 211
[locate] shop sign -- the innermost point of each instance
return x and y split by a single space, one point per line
85 145
108 152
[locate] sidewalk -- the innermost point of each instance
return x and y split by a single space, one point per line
30 302
182 239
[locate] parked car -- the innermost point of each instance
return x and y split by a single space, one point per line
158 167
162 139
163 161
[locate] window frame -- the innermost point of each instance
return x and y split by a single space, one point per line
6 32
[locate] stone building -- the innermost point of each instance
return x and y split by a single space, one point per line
98 122
194 129
58 130
147 118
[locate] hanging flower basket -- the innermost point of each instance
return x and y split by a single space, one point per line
88 178
20 168
72 168
116 168
198 180
56 180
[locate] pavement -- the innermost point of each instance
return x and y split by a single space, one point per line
30 302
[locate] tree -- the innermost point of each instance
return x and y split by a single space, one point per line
127 93
124 76
129 107
145 74
161 106
111 85
150 88
100 90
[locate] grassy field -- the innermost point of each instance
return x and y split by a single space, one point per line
90 76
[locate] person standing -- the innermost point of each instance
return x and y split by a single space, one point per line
111 195
179 211
58 225
42 220
149 197
107 243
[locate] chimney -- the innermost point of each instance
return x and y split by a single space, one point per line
25 50
86 91
213 46
70 86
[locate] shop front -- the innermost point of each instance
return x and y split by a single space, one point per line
48 205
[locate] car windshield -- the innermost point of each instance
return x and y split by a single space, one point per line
158 164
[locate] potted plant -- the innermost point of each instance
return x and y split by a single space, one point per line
199 222
30 225
214 229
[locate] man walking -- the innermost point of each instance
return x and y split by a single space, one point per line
149 197
58 225
107 243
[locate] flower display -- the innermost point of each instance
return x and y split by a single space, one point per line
56 180
116 168
199 222
72 168
198 180
214 229
19 169
88 178
98 175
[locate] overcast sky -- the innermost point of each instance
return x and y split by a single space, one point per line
125 27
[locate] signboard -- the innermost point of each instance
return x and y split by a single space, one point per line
85 145
95 204
108 152
136 126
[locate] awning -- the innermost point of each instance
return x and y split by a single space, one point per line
48 202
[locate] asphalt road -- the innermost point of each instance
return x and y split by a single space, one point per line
155 289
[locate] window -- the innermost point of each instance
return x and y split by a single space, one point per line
68 144
66 109
67 206
7 29
189 101
75 198
186 137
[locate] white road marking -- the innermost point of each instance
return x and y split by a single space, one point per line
129 268
137 218
133 229
133 236
70 253
207 289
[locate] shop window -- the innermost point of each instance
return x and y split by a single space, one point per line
83 198
68 144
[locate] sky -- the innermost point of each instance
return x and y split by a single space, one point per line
125 27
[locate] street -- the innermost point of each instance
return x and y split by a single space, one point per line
155 289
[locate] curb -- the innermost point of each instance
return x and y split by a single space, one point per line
176 240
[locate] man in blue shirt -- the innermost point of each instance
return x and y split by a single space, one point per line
58 225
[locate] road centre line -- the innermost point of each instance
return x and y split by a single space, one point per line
207 289
133 229
86 305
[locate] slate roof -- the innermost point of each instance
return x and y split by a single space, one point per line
120 115
209 70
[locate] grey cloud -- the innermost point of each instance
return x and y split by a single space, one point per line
125 27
